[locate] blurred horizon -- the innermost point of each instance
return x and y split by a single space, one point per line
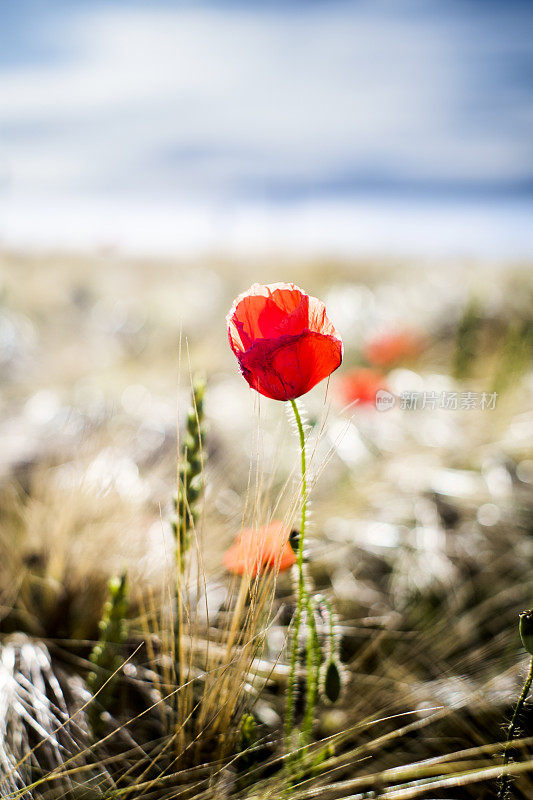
309 127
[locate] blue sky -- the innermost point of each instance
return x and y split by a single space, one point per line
215 106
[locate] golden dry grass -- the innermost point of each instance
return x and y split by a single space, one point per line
427 624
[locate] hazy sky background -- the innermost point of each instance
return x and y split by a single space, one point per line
354 126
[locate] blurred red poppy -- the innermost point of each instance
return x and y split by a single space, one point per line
256 549
360 385
283 340
390 349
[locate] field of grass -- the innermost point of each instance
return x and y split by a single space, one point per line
420 540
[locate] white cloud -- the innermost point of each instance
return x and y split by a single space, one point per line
199 104
314 91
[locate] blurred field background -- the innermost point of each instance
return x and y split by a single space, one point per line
156 161
421 519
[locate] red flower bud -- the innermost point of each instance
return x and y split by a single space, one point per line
283 340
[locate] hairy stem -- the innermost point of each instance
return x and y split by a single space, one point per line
291 690
312 670
504 780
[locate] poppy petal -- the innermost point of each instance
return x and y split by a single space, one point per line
360 385
283 340
256 549
289 367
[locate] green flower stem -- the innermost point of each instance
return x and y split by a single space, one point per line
289 714
313 659
504 780
304 478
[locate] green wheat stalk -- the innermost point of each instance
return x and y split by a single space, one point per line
106 654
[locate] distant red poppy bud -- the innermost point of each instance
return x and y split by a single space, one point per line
390 349
360 386
283 340
266 547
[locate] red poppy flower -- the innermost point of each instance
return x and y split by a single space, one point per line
256 549
389 349
283 340
360 385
